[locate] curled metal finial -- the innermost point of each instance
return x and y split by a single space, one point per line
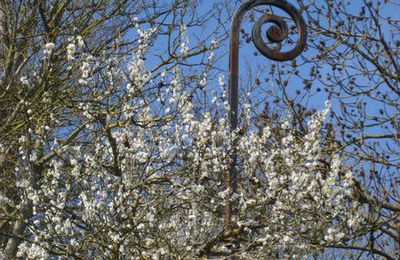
277 33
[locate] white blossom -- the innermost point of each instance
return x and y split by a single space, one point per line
48 48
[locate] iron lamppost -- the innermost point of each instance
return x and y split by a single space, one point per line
277 33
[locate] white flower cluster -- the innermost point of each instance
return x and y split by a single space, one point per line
138 75
74 42
210 56
153 187
293 194
32 251
184 39
48 49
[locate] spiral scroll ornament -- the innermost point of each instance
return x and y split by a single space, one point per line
279 32
276 33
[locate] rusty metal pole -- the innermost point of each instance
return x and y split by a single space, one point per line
275 34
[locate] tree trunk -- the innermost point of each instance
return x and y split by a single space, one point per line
14 241
11 249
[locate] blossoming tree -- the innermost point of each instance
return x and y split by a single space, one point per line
108 155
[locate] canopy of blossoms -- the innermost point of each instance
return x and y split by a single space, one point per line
152 184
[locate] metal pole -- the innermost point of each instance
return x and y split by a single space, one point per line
275 34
